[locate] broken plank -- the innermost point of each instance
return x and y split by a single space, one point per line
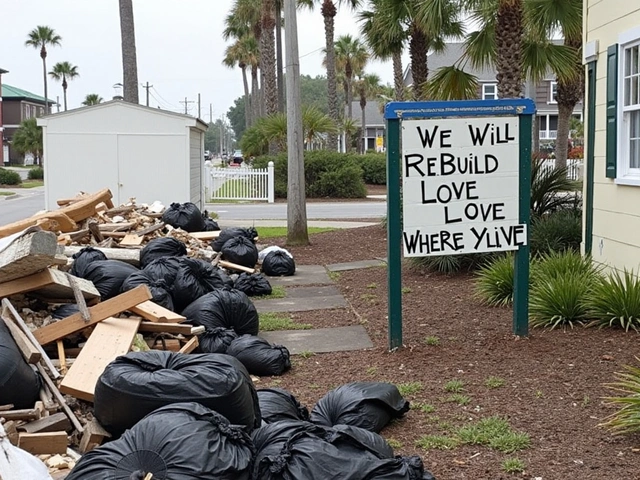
150 229
99 312
29 351
190 346
233 266
95 230
110 339
26 414
93 436
132 240
60 399
114 227
53 423
175 328
49 284
27 254
53 221
86 206
43 443
204 236
122 254
167 344
156 313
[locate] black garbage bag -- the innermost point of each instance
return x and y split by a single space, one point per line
259 356
253 285
278 264
229 233
108 276
164 268
368 405
294 449
276 405
224 307
210 225
195 278
186 216
83 258
241 251
65 310
161 247
183 441
216 340
136 384
158 288
19 384
372 440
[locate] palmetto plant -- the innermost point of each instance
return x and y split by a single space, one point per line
92 99
627 418
63 71
28 138
615 301
550 189
39 38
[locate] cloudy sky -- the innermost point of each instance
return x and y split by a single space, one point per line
179 47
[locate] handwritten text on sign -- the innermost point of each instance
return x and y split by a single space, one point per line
460 186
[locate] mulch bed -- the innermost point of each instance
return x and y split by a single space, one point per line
553 380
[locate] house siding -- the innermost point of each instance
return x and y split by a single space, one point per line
616 217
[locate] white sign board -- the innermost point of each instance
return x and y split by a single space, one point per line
460 186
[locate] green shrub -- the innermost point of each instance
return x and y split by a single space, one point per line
627 419
346 182
9 177
561 264
374 168
556 231
494 285
559 301
449 264
615 301
36 173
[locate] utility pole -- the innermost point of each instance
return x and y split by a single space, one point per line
297 233
186 104
57 103
199 111
211 113
221 137
147 87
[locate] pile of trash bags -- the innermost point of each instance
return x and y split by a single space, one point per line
188 217
192 431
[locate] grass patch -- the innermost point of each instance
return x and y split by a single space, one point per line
275 232
454 386
432 341
494 382
306 354
494 432
423 407
334 276
5 194
513 465
409 388
437 442
458 398
270 322
30 184
393 443
277 291
406 290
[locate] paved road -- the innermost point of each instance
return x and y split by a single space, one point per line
24 206
274 211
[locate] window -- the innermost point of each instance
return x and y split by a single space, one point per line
630 127
489 91
553 92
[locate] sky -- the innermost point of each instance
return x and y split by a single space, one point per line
179 49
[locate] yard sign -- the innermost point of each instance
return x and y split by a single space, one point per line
465 169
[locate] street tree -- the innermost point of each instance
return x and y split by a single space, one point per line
129 59
61 72
39 38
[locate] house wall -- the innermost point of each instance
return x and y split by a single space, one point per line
1 128
132 151
196 164
13 113
616 216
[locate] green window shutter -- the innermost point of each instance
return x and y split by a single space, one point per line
612 110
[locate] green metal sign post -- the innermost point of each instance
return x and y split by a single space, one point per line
464 190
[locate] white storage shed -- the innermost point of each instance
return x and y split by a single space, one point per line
133 150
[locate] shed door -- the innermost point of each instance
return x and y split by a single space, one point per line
196 161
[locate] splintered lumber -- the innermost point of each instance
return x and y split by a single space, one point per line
53 423
95 230
174 328
123 254
49 284
152 228
110 339
53 221
60 399
86 206
132 240
29 351
156 313
23 414
233 266
99 312
93 436
7 307
190 346
41 443
79 297
27 254
116 227
11 432
149 476
62 358
204 236
167 344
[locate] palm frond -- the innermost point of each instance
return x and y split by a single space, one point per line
452 83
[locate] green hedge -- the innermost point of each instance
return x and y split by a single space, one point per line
9 177
327 174
36 173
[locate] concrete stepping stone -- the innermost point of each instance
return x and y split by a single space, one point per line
305 275
321 340
343 267
303 299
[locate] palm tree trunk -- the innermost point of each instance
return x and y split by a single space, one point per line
64 92
363 123
349 92
129 61
268 57
562 140
418 50
398 75
536 135
247 99
255 95
328 13
43 54
279 63
509 33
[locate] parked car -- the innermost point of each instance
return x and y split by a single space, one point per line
237 157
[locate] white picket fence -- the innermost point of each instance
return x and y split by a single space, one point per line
239 183
574 167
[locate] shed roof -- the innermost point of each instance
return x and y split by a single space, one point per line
9 92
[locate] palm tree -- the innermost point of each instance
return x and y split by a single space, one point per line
368 86
63 71
243 52
351 58
28 138
329 10
549 16
316 125
92 99
39 38
268 56
129 60
348 127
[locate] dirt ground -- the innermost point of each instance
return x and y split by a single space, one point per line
553 380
